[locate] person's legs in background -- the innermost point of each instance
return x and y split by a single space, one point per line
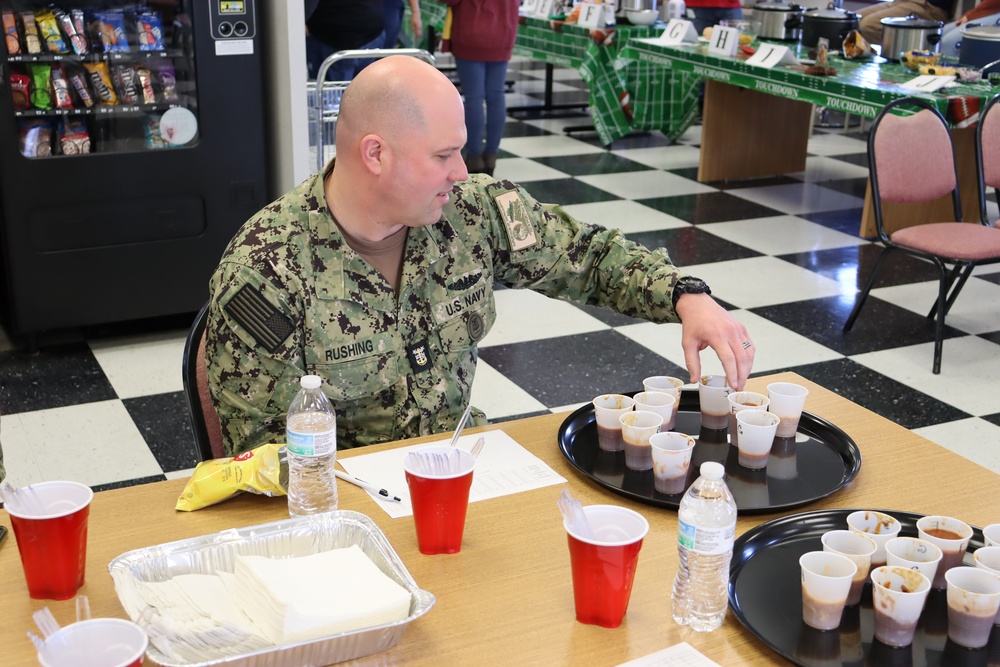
704 17
472 77
393 10
496 112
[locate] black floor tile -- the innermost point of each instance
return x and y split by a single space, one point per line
847 221
567 191
856 187
163 421
992 277
690 245
993 336
993 419
591 164
609 317
53 377
880 325
511 418
518 129
880 394
709 207
738 184
853 265
860 159
129 482
574 369
642 140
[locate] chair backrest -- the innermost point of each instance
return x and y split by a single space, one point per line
988 154
204 418
911 158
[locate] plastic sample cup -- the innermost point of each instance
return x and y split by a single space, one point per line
604 566
666 384
51 530
913 553
661 403
951 536
743 400
878 526
98 642
787 401
857 547
898 597
756 429
440 501
671 461
607 409
973 601
713 395
991 534
988 558
826 583
637 428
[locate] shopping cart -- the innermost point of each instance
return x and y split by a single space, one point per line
324 99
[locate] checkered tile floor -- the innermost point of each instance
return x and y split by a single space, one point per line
105 406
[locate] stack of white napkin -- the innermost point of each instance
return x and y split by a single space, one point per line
312 596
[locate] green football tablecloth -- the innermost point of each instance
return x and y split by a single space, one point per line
625 95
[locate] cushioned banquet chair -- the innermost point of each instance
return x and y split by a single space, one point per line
988 154
204 419
910 160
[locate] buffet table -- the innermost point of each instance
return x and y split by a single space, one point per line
741 138
507 596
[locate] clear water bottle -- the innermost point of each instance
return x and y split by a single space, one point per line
311 441
705 533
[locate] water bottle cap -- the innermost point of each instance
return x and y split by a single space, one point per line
712 470
310 382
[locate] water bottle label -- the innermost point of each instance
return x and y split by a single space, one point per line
706 541
311 444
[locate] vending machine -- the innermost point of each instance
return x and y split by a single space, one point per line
132 148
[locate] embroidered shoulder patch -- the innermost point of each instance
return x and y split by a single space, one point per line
268 325
517 222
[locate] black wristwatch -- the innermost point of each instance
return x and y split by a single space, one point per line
689 285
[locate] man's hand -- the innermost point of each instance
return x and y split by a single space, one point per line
418 27
704 323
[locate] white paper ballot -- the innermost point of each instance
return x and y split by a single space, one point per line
544 8
769 55
591 15
504 467
928 83
724 41
678 31
678 655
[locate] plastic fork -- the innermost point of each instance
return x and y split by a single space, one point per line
478 447
573 512
46 622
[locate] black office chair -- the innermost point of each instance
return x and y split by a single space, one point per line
204 419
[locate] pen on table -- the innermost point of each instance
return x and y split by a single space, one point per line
461 424
382 493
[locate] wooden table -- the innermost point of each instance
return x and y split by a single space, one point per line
507 597
757 121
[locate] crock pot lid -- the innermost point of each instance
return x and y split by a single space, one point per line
985 32
911 22
830 13
775 6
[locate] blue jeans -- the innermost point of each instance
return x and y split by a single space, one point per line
342 70
705 17
393 10
483 82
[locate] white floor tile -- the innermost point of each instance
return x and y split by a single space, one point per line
565 408
142 365
93 443
824 143
692 135
645 184
523 315
975 439
970 367
764 281
549 146
556 125
179 474
628 216
666 157
522 170
977 309
539 87
797 199
819 169
498 397
517 99
781 235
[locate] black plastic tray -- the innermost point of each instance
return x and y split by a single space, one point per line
765 595
824 459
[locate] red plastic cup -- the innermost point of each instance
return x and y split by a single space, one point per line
440 500
98 642
604 567
50 524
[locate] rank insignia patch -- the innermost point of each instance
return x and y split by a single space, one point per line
477 327
419 355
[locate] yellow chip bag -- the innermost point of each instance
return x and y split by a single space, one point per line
263 470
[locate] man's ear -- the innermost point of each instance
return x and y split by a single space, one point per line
372 147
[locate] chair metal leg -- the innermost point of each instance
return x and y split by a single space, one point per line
951 279
953 293
939 324
863 296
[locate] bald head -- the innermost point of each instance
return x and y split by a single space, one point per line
392 97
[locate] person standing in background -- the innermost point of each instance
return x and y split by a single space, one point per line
482 41
394 10
986 12
870 25
707 13
338 25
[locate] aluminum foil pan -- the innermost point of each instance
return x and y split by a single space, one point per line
300 536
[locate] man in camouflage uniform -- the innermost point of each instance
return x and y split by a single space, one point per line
377 275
